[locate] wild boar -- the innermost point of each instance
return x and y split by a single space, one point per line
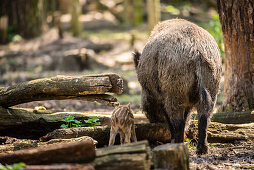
122 122
179 69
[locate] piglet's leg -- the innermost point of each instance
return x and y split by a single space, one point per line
133 133
122 136
127 133
112 136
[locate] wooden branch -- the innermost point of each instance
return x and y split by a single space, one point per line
171 156
79 152
117 16
60 166
128 156
62 87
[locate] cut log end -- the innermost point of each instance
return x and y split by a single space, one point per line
171 156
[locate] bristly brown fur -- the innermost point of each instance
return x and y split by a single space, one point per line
122 122
179 69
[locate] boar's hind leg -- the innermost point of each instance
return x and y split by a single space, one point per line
204 108
176 123
152 108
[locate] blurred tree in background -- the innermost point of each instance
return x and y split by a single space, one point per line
75 13
134 12
25 17
153 12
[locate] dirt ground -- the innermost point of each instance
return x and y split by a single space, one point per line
31 59
224 156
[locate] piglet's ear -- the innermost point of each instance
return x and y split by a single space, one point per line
129 106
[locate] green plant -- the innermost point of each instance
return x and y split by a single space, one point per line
70 122
215 30
17 166
93 121
189 143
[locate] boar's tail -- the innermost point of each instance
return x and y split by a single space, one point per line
136 57
205 99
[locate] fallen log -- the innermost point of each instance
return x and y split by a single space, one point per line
128 156
63 87
155 133
60 166
78 152
171 156
13 144
151 132
32 123
233 117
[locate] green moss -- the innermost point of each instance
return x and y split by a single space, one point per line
246 106
190 143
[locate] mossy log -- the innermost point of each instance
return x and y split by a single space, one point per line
151 132
63 87
128 156
60 166
171 156
233 117
9 144
155 133
78 152
32 123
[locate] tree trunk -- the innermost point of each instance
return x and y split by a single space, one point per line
3 29
63 87
75 13
153 12
237 17
133 12
26 17
79 152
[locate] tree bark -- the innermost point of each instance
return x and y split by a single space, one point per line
153 12
128 156
79 152
75 13
171 157
236 17
25 17
133 12
63 87
3 29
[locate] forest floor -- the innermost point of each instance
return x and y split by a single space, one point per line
45 57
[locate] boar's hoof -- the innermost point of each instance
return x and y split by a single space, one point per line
202 149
